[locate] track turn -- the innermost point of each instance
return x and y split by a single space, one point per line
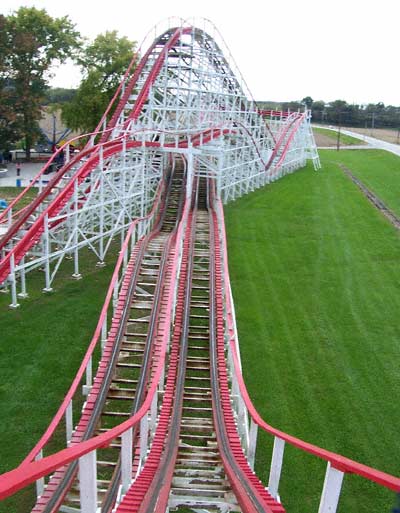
176 281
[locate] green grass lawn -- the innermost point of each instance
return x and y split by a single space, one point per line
9 193
42 345
315 276
379 170
346 140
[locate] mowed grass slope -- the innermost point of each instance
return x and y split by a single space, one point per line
315 276
41 346
379 170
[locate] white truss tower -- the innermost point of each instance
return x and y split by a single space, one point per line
190 99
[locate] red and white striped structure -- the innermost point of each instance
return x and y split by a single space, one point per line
185 96
184 136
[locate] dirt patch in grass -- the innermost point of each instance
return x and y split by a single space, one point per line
385 134
323 140
325 137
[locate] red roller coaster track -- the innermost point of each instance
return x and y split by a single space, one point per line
193 275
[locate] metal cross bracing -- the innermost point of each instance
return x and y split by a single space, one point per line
195 460
166 424
100 206
185 96
125 369
169 455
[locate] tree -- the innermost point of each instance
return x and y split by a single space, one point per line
32 42
307 101
318 111
10 126
103 63
58 95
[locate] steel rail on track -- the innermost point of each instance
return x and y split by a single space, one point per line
152 491
35 231
109 501
143 487
156 498
57 497
247 494
338 461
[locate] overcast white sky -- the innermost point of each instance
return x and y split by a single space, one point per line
285 49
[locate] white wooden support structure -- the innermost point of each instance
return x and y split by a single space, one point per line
144 438
88 483
276 467
104 333
190 172
40 482
331 490
13 282
46 244
126 459
251 452
153 414
9 217
209 116
115 295
89 377
76 273
23 294
69 424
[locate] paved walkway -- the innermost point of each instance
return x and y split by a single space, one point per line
376 143
349 147
371 141
28 172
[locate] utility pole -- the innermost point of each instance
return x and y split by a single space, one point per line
372 123
339 130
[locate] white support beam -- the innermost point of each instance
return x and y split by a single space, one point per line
40 482
144 438
88 483
331 490
276 467
126 459
69 422
251 453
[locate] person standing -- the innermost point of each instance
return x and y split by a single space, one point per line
18 169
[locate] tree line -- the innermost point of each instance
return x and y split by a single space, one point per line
339 112
32 44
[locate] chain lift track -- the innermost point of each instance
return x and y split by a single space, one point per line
166 423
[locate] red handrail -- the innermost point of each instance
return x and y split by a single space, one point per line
18 478
79 375
60 174
337 461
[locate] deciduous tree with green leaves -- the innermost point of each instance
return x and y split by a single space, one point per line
103 64
31 43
